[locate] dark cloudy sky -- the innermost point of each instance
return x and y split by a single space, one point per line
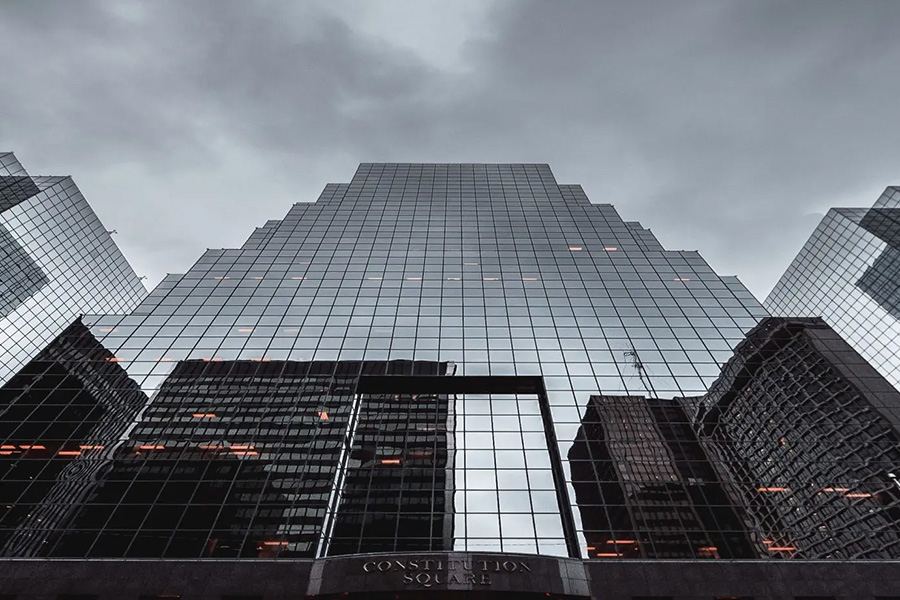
725 126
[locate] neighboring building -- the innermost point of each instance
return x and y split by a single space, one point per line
848 273
806 435
56 261
428 380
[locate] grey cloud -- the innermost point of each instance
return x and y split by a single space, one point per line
720 125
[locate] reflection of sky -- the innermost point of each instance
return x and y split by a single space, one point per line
503 477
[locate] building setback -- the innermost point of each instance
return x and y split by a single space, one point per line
434 378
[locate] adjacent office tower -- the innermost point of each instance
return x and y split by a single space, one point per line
848 273
56 261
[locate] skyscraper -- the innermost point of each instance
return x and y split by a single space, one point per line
848 273
56 261
435 377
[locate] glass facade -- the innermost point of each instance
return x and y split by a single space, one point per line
848 273
806 436
56 261
446 358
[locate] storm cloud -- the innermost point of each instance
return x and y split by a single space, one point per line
725 127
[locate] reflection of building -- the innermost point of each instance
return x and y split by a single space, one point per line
61 416
848 273
805 432
644 486
56 261
397 491
246 459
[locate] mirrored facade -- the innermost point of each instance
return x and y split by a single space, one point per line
806 436
848 273
57 261
451 358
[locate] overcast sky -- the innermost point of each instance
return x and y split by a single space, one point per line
727 127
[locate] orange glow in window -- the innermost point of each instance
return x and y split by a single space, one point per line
221 278
113 359
108 330
209 447
263 359
91 447
245 329
7 447
859 495
151 447
275 543
681 279
256 278
835 489
529 279
610 248
590 548
204 415
492 279
607 554
620 541
298 278
772 489
390 461
245 453
69 452
323 415
242 447
782 548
